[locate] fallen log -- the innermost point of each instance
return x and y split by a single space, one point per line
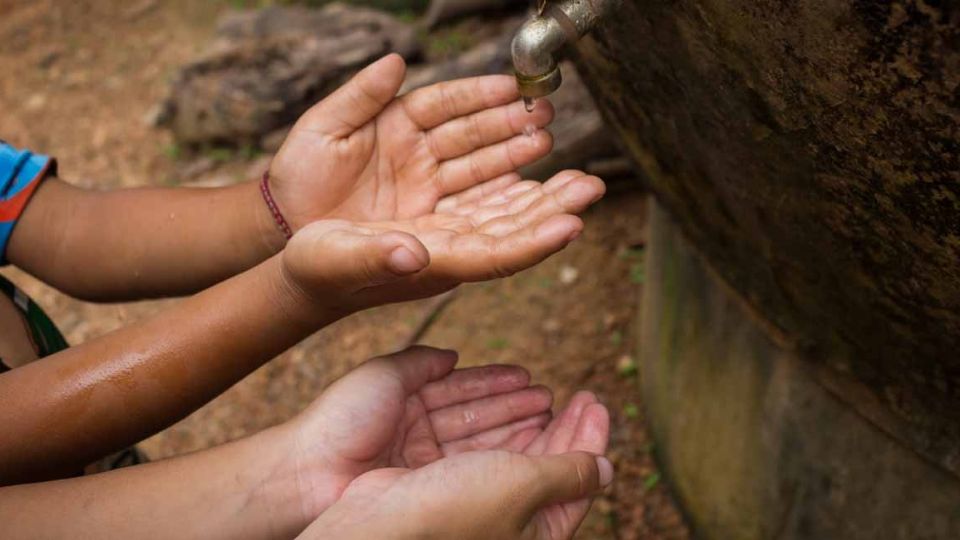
268 66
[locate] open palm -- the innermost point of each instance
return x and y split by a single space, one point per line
410 409
534 484
490 231
364 154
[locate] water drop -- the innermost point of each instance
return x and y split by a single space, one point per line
529 130
529 103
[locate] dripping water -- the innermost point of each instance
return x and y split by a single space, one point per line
529 103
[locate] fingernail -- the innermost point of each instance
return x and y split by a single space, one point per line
402 261
573 236
606 471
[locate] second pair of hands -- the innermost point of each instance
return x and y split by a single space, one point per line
420 185
407 446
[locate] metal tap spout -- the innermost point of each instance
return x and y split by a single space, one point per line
535 46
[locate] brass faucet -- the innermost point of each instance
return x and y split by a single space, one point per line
556 24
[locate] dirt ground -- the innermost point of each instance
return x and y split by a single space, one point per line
77 80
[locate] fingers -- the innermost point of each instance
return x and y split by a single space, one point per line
336 257
466 419
471 257
570 477
507 194
561 439
359 100
559 434
463 135
433 105
537 205
421 444
450 203
521 188
531 245
591 435
489 162
500 197
417 365
473 383
499 437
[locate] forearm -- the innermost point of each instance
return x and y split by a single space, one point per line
141 243
73 407
239 490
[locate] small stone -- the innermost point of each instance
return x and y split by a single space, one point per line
626 365
157 115
568 274
36 102
551 326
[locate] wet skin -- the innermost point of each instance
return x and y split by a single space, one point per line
423 199
379 440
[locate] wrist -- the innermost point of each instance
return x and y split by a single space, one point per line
276 485
269 236
295 304
312 482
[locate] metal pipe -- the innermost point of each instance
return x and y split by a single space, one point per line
536 44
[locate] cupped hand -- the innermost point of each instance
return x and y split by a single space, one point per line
490 231
409 409
365 154
535 484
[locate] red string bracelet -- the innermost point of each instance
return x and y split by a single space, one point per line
272 205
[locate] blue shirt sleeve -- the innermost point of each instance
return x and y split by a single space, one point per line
21 171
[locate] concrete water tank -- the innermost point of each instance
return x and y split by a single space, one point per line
801 318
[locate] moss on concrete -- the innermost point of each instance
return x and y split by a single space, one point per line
753 446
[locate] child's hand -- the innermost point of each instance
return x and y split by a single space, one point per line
491 231
408 409
364 154
536 486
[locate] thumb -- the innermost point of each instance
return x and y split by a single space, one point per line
346 260
359 100
570 477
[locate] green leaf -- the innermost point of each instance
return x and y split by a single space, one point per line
651 481
498 344
172 151
637 273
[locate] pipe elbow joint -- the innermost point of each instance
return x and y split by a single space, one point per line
533 52
536 44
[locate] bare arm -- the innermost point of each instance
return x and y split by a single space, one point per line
362 154
274 483
78 405
141 243
235 491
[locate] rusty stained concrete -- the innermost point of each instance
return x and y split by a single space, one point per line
810 150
